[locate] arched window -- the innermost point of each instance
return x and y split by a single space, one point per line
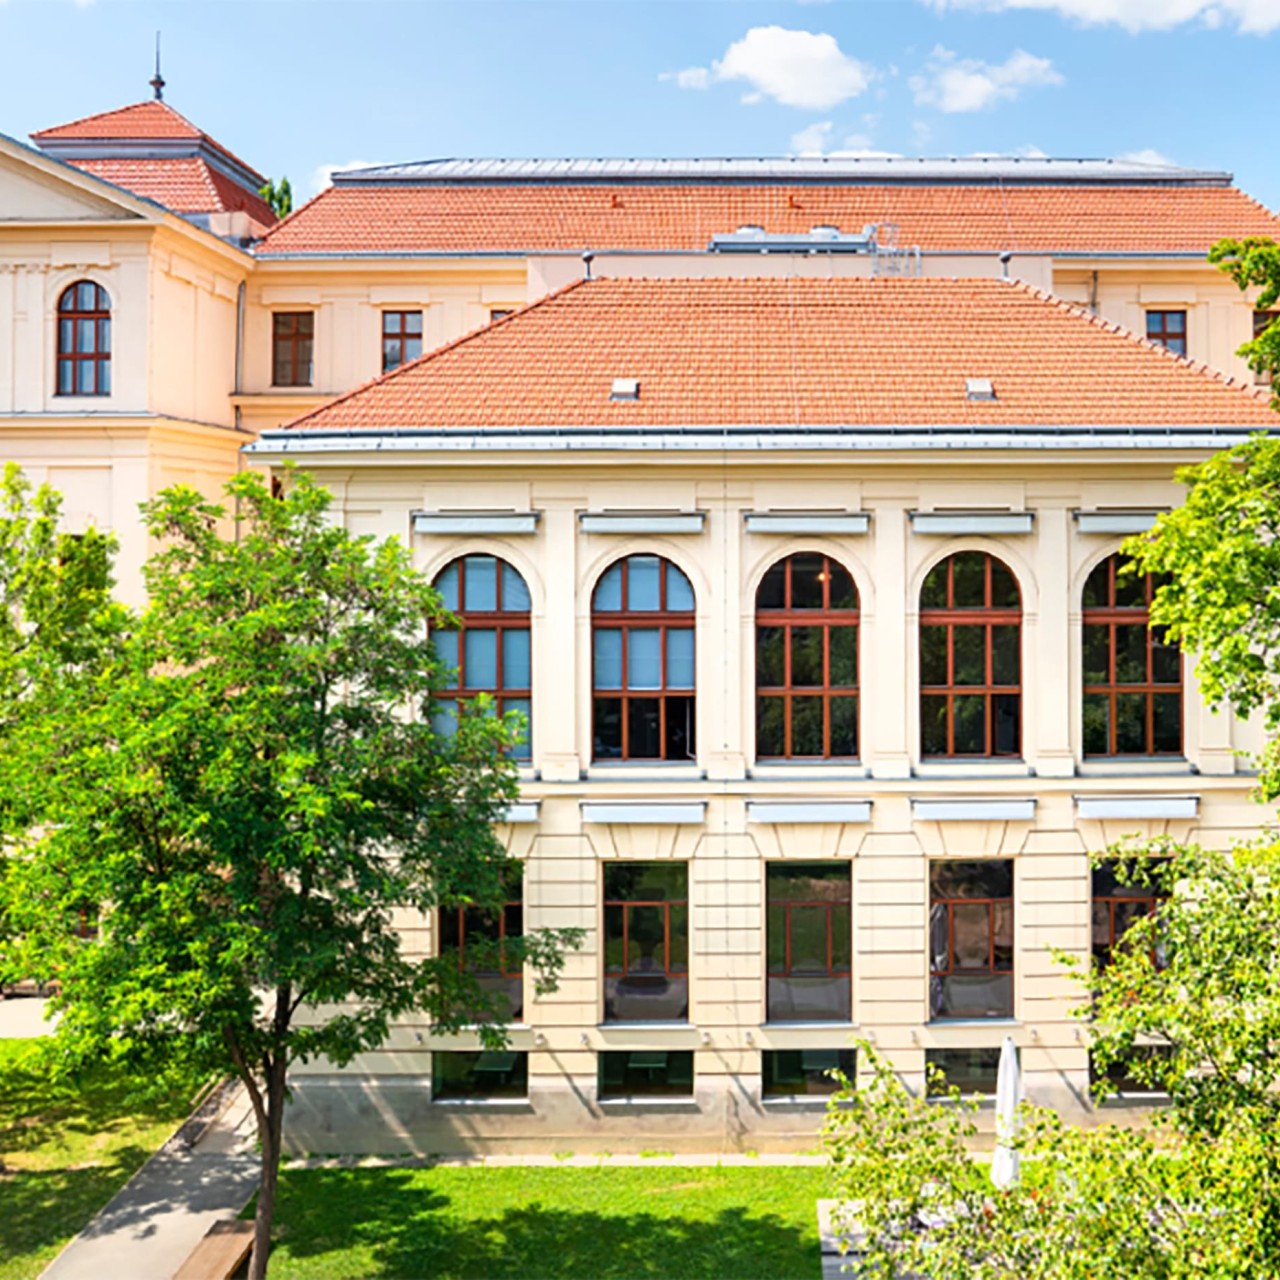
84 340
490 650
1132 675
807 660
970 660
642 644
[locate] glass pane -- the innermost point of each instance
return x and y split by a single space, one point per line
1131 724
1166 660
1004 588
303 371
806 727
1097 654
515 660
485 1073
1095 588
844 726
1131 588
608 596
680 728
678 943
843 645
480 658
646 938
84 378
679 591
1005 663
972 1071
390 322
613 937
66 336
772 591
1168 723
1100 931
84 335
933 725
446 645
770 656
521 705
104 337
969 712
642 584
679 659
644 729
644 658
1131 655
933 595
806 656
1155 324
971 878
970 936
1175 321
306 322
776 937
515 592
969 655
1002 934
413 322
933 655
446 584
969 575
606 728
807 580
841 937
444 717
66 377
481 584
104 377
769 727
412 348
88 296
1097 724
788 1073
809 939
646 882
1006 714
391 357
844 595
939 937
607 644
68 300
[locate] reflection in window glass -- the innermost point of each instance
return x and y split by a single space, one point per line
972 1071
480 940
646 942
1116 905
792 1073
971 938
808 940
480 1074
645 1073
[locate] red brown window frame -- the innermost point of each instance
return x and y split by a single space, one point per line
1161 334
292 339
627 904
501 621
460 914
987 617
830 906
825 617
1111 616
400 332
662 619
1149 899
99 358
950 904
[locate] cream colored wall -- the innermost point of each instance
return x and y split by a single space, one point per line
727 854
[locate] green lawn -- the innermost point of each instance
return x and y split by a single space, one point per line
536 1223
67 1149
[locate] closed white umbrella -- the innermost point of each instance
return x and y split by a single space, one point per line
1004 1166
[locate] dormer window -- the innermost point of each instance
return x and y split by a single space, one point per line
84 340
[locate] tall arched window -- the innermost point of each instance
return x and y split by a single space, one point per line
1132 675
970 659
807 660
642 644
490 650
84 340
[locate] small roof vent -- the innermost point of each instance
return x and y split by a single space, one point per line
824 231
979 389
750 229
625 390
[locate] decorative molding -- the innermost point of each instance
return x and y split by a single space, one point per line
642 521
644 812
475 522
975 809
808 811
1115 521
953 523
849 522
1138 807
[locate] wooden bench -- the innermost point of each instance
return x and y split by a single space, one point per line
219 1255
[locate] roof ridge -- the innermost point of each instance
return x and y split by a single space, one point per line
435 352
1123 331
115 111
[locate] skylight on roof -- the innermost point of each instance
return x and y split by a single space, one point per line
979 389
625 390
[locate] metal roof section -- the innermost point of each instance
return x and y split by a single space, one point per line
755 170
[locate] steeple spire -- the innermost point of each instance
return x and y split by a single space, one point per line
157 81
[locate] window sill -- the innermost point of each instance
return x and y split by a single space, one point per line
798 770
625 1106
810 1025
642 770
784 1102
499 1106
1134 767
981 767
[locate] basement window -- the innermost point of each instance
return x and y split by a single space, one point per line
646 1073
972 1071
481 1074
791 1073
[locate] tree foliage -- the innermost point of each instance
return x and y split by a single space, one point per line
252 789
279 195
1255 262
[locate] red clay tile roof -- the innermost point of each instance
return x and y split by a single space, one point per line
777 352
185 185
1074 218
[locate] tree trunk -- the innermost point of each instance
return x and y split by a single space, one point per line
269 1134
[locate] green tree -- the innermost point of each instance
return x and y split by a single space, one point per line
252 788
1255 261
279 195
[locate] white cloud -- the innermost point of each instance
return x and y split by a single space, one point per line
795 68
954 84
1256 17
812 142
322 174
812 139
1147 155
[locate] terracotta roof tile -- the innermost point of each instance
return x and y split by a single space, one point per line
1069 218
187 185
776 352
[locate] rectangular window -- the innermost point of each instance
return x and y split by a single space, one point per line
646 942
293 335
480 940
1116 905
1121 1077
809 941
401 338
488 1073
793 1073
1262 321
969 1070
1169 329
646 1073
498 313
971 939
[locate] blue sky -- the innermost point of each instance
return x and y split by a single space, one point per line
294 86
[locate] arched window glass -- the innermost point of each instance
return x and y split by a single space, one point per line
490 650
807 660
642 618
1132 674
970 658
84 340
